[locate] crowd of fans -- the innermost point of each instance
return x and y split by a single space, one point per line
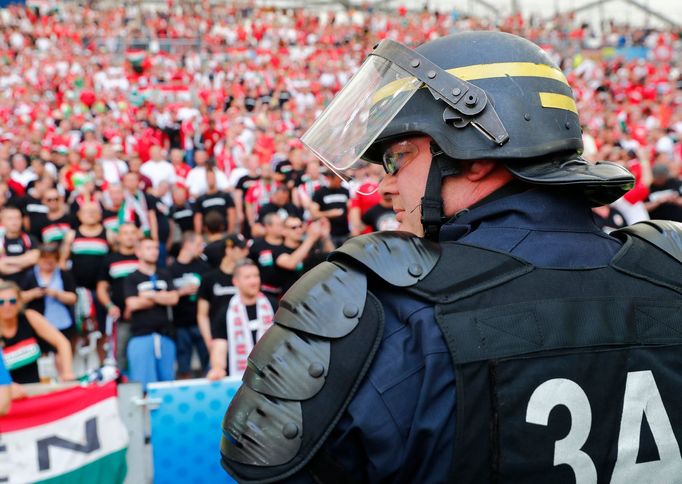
152 179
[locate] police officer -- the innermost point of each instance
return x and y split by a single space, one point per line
500 336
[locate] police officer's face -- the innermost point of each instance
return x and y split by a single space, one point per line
406 186
409 160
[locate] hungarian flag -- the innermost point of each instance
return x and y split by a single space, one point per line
75 435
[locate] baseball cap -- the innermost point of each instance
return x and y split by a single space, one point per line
235 240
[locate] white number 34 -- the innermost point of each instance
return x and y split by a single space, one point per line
641 398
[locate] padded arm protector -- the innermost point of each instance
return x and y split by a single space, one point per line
305 370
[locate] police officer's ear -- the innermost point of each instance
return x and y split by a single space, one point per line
477 170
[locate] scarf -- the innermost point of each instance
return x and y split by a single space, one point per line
239 330
132 205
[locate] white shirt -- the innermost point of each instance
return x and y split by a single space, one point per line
196 181
114 170
158 172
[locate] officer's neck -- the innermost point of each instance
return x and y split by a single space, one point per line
511 188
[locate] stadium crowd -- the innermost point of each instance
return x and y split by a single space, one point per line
152 178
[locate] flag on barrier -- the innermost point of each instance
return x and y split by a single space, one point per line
70 436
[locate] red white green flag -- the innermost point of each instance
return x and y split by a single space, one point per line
71 436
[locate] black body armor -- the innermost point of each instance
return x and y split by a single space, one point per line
562 375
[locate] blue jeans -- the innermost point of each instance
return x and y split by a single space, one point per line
186 339
151 358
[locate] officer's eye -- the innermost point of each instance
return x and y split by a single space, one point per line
399 155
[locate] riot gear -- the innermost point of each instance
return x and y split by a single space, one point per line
478 95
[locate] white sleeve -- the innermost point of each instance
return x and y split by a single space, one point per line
222 181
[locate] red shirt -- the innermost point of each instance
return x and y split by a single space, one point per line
259 194
365 202
210 137
640 191
182 170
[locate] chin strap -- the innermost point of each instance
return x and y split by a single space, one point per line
432 201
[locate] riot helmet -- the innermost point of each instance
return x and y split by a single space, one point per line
477 95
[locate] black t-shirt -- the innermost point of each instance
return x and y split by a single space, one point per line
214 252
285 168
54 230
111 222
289 277
87 257
36 213
246 182
249 103
264 254
216 202
115 268
666 211
219 323
158 318
380 218
284 97
243 184
265 98
12 247
216 288
21 352
185 312
183 216
283 211
330 198
162 212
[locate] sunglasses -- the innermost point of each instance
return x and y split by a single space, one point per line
400 154
12 301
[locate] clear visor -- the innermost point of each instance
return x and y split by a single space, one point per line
356 117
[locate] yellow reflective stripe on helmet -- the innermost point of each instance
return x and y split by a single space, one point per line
511 69
392 88
480 71
558 101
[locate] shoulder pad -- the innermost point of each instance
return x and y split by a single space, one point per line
326 301
399 258
647 252
664 234
302 374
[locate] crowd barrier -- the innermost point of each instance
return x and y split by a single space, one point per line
186 419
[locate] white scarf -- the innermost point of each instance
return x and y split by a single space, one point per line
239 336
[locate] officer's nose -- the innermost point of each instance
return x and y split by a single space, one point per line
388 185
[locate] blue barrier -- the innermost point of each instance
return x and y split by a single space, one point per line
186 430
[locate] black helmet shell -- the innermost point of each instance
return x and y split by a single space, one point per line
495 62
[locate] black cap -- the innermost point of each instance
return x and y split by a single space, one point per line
235 240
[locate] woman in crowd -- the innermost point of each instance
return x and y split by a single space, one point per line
19 333
51 291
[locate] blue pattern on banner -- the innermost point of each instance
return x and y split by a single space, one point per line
632 53
186 430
